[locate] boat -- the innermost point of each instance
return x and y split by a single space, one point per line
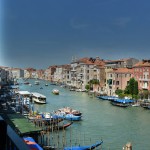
37 82
26 83
55 91
31 143
122 102
80 90
24 96
59 127
72 117
30 84
38 98
89 147
69 110
136 105
46 84
41 87
110 98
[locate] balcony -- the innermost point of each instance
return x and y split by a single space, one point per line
145 87
73 70
142 79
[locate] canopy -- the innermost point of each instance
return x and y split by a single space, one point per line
123 100
31 143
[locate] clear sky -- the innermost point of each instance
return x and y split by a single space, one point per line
39 33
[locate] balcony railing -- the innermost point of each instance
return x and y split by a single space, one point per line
144 79
9 139
144 87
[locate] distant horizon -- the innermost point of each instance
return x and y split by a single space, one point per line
36 67
51 32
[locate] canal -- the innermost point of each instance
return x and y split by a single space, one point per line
100 120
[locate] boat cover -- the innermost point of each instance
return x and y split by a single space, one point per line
124 100
31 143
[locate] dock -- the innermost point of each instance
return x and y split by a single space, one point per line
22 125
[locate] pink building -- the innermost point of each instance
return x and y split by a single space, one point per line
118 79
142 74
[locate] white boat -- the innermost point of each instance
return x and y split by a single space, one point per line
37 82
38 98
55 91
24 94
136 105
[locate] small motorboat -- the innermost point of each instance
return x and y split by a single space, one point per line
55 91
46 84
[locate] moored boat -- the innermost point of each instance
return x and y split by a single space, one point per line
38 98
122 102
31 143
136 105
69 110
89 147
72 117
110 98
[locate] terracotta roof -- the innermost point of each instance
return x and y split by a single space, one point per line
92 61
121 70
118 60
30 69
143 63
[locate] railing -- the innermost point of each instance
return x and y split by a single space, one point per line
9 140
142 79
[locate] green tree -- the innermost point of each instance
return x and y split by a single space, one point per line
92 82
118 91
87 87
136 91
126 91
132 87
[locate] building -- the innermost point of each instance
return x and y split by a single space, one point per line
85 69
3 77
60 74
118 79
110 65
17 73
30 73
142 74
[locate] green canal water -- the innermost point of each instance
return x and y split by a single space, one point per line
100 120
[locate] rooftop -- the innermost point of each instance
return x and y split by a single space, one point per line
22 124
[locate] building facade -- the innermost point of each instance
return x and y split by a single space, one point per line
118 79
142 74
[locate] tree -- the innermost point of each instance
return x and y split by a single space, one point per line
92 82
136 91
87 87
132 87
118 91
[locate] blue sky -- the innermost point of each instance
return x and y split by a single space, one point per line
39 33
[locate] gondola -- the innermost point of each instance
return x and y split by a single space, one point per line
90 147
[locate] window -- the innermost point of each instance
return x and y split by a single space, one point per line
117 82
